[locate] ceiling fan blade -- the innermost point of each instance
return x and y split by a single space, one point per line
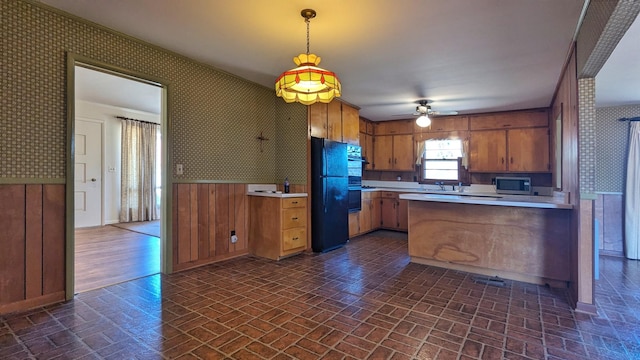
444 113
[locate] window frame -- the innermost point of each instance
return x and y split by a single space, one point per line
424 180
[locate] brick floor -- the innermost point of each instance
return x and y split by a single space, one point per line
365 300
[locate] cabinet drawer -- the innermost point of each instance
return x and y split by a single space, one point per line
294 202
294 238
389 194
294 217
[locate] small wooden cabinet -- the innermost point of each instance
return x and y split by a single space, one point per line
335 121
394 212
393 152
514 150
445 123
510 120
277 226
394 127
368 218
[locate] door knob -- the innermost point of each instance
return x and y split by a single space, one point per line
93 179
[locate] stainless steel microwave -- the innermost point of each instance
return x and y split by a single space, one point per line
513 185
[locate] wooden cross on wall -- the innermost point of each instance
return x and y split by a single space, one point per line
261 138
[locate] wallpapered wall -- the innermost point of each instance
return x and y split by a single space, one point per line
215 116
612 142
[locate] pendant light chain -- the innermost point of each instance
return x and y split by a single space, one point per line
307 21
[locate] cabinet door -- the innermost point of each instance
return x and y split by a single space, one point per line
318 120
394 127
389 214
529 150
350 125
365 216
509 120
383 152
488 151
354 224
403 214
366 142
334 121
376 213
403 153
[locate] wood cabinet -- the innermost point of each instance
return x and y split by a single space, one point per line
335 121
277 226
393 127
366 126
393 211
514 150
445 123
393 152
511 119
318 120
365 220
366 142
350 125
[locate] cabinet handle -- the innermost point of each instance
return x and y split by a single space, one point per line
512 159
294 202
389 160
506 125
295 238
395 161
502 160
294 219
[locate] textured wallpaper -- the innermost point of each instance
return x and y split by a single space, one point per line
587 129
612 139
215 116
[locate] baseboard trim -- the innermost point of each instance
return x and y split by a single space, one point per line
586 308
28 304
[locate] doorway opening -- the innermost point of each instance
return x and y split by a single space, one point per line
112 241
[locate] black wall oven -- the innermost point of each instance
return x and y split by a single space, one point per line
354 165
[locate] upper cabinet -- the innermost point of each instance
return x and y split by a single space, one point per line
335 121
444 123
394 127
520 145
509 120
393 152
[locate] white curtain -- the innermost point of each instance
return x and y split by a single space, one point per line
632 195
137 187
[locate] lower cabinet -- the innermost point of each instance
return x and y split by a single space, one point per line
379 210
368 218
394 212
277 226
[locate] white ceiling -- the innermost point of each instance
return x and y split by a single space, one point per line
464 55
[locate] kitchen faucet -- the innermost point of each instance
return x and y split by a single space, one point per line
441 184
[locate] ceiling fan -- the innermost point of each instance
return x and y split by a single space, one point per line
423 111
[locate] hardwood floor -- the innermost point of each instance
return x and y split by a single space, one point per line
109 255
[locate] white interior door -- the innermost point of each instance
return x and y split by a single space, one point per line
88 173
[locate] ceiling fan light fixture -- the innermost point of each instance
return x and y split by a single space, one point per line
308 83
423 121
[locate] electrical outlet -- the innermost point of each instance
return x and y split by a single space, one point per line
179 169
234 237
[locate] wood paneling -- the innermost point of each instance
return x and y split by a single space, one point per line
12 256
32 237
509 240
33 240
334 121
205 214
53 239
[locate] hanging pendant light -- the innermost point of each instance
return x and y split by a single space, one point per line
308 83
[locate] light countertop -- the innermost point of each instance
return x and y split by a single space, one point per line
542 202
276 194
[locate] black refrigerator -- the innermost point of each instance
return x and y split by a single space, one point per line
329 195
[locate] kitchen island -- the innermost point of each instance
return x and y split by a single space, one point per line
523 238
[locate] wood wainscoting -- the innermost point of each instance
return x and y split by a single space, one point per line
203 217
609 212
32 237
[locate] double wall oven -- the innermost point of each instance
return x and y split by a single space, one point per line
354 165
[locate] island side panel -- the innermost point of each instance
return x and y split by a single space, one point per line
528 241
